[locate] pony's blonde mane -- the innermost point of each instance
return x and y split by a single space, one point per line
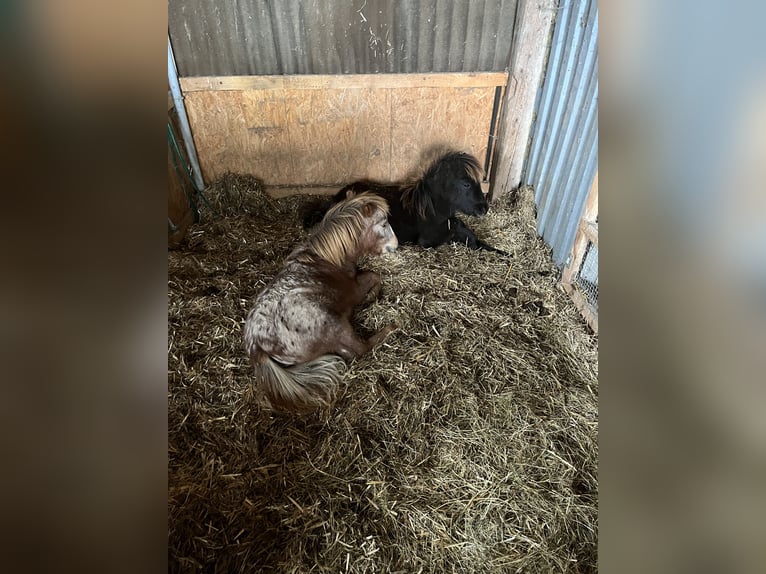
339 231
416 199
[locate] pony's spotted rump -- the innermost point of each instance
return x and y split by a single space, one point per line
299 327
423 208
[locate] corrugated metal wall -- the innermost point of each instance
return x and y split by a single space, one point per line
256 37
563 155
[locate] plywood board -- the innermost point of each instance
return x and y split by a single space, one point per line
327 137
240 132
424 117
344 81
337 135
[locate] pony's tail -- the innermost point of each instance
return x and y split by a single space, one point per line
302 387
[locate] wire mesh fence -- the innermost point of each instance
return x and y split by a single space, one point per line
587 277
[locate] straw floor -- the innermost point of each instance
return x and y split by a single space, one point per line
466 442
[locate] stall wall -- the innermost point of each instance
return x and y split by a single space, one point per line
563 156
323 131
291 37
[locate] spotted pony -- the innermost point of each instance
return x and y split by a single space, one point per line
299 331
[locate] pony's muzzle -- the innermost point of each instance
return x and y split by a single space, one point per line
481 209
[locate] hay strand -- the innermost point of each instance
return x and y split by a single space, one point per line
466 442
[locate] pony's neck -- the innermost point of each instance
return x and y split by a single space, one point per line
349 266
349 261
442 209
309 256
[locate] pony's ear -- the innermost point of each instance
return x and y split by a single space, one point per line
349 194
368 210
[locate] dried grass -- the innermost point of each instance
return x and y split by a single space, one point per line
466 442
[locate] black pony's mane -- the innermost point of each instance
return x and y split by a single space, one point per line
416 197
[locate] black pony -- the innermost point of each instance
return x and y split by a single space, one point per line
423 209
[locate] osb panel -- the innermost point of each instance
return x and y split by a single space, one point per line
370 152
242 132
332 136
423 117
337 135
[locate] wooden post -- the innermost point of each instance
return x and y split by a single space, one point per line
528 56
587 232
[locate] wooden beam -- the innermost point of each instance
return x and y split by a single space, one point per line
590 213
344 81
528 55
590 230
575 259
587 310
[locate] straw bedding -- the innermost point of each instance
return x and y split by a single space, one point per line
466 442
